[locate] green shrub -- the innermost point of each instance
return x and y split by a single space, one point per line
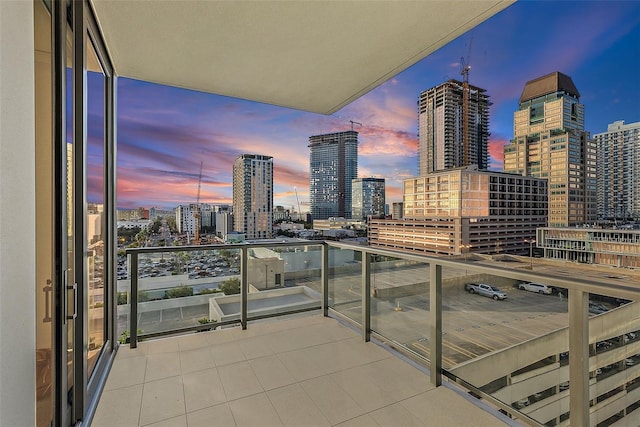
125 335
122 298
231 286
179 292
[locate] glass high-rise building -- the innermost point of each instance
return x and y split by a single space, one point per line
618 167
253 195
333 164
368 197
443 141
550 142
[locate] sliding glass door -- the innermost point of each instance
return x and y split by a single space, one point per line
75 200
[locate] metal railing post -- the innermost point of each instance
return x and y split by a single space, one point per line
244 286
133 301
579 357
435 318
324 279
366 296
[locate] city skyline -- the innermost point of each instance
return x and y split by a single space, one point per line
165 132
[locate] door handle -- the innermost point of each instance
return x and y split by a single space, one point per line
74 288
47 301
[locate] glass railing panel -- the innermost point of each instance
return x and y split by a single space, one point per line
175 288
400 302
123 288
509 339
283 279
345 282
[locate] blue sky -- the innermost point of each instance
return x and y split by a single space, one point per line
164 132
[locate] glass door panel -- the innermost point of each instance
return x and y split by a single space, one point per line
95 214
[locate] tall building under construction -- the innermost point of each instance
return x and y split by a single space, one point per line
453 127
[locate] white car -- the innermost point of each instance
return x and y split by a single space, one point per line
535 287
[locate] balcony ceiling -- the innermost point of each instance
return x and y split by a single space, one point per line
316 56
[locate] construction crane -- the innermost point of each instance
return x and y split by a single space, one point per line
298 200
465 66
196 212
354 123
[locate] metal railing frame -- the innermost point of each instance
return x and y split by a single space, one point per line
579 290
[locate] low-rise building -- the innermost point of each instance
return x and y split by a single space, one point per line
616 247
463 210
291 226
337 223
143 224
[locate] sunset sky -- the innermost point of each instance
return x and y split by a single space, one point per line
163 133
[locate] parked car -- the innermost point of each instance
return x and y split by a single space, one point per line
521 403
485 290
597 308
535 287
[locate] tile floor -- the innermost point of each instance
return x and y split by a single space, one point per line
306 371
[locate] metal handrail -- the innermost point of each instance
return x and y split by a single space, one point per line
584 283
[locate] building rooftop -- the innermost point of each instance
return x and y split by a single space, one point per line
553 82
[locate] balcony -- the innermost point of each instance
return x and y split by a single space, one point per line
324 333
306 371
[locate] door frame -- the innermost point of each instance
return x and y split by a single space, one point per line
78 404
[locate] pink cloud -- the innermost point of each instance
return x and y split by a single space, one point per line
496 153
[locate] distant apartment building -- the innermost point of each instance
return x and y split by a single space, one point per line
550 142
186 222
450 134
185 219
223 219
618 167
367 197
157 213
465 210
206 217
397 210
280 213
614 247
132 214
253 195
94 222
333 164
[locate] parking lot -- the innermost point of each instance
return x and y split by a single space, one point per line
472 324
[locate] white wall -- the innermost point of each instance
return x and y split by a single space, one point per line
17 215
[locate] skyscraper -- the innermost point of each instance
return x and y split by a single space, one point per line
333 163
253 195
441 123
368 197
618 168
550 142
